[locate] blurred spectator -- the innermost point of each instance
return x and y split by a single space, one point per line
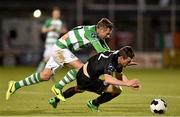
53 28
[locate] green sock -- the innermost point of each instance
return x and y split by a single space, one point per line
30 80
41 66
69 77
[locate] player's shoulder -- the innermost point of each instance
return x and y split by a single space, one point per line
78 27
114 51
48 20
106 54
90 26
111 52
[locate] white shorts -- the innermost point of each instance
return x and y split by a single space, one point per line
59 57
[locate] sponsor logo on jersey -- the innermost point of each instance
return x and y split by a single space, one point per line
93 35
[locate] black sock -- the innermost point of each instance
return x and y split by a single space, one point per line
69 92
105 97
57 100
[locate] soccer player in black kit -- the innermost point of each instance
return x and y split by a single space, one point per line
103 64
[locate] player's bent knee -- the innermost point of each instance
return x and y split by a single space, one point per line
113 89
78 90
115 94
118 90
46 75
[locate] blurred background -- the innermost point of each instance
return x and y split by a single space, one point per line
151 27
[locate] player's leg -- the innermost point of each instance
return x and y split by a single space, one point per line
57 88
69 77
71 74
109 93
67 94
72 61
113 89
73 90
86 83
34 78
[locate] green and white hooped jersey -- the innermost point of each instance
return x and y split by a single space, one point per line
52 36
80 36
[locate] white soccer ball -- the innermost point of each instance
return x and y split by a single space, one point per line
158 106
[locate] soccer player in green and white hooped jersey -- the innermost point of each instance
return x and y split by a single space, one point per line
53 27
62 53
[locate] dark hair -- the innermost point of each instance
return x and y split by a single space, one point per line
55 8
105 23
126 52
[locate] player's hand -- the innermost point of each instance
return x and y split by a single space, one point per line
133 82
51 28
136 87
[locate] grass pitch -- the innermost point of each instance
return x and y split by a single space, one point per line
33 100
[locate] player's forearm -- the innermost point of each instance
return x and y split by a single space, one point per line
48 29
110 80
44 30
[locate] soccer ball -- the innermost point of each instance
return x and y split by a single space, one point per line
158 106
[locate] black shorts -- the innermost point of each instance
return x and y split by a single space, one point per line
88 84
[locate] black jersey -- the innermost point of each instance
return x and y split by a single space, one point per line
103 63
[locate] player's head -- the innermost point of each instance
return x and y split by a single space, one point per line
56 13
126 54
104 28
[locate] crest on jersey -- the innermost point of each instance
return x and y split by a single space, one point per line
93 35
111 68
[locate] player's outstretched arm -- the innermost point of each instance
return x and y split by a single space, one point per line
110 80
123 77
